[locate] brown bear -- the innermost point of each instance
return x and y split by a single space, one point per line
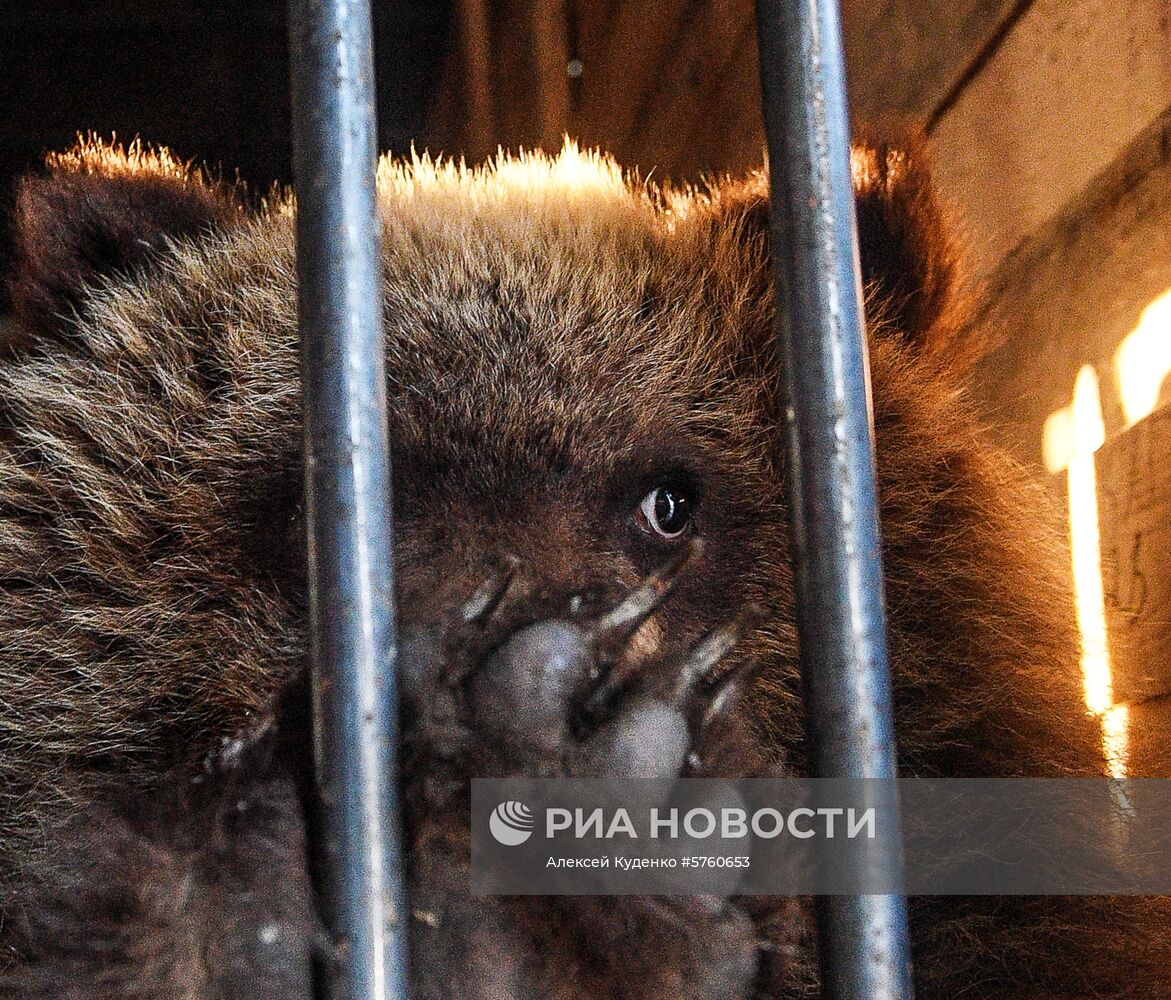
584 417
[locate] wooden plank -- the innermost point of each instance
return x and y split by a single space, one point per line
654 85
687 88
504 84
67 17
1070 293
1133 489
729 138
1148 750
590 22
1134 512
516 87
619 72
475 48
1066 91
550 52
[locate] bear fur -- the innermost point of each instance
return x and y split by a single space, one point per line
561 339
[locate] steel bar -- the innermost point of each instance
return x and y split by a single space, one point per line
832 492
348 498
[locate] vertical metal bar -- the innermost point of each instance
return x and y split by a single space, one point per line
347 483
821 330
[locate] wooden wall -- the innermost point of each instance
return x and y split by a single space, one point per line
1058 154
632 78
673 84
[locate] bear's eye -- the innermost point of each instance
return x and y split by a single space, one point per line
665 511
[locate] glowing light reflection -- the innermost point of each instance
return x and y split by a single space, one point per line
1142 363
1089 435
1071 436
1116 739
1143 360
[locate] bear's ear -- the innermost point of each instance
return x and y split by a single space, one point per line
97 211
910 267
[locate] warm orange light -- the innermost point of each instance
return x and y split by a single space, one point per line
1143 360
1071 436
569 172
1089 435
1116 739
92 154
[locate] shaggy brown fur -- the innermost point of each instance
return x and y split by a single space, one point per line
561 340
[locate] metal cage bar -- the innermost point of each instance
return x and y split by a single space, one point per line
832 492
347 471
348 498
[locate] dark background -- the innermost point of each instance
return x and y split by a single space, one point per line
208 79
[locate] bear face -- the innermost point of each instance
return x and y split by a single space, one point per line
583 396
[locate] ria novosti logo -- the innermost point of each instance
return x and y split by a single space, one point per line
511 823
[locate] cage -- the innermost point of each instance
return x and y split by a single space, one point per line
1052 157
